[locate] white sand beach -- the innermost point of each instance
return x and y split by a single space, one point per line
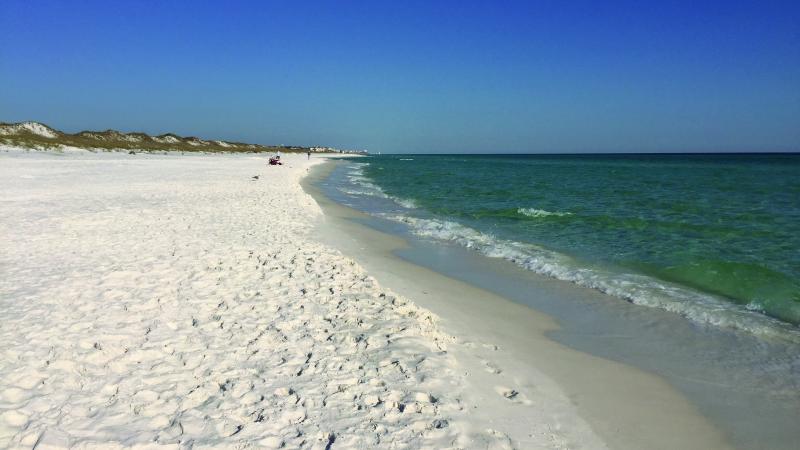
153 301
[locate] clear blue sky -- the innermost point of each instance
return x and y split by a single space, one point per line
413 76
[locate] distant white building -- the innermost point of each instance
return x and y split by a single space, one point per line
335 150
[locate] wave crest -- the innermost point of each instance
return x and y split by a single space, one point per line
634 288
533 212
365 187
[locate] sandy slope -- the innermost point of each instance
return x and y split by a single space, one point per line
175 300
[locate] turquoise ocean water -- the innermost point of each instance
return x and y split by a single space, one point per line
715 238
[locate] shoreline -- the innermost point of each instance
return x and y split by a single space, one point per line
192 300
594 386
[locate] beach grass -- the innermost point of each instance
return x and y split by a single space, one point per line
112 140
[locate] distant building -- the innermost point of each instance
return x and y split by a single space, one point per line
335 150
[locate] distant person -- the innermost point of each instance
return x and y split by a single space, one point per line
309 154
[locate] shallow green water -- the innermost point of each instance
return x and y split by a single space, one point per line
723 225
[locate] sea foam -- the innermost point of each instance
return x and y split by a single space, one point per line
532 212
367 188
635 288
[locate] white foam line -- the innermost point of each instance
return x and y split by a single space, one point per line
637 289
369 188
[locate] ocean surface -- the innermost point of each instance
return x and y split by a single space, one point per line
691 261
714 238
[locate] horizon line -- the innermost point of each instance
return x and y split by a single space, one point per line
787 152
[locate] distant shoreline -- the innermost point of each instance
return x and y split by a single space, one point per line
38 136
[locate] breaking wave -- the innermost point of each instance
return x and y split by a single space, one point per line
532 212
363 186
635 288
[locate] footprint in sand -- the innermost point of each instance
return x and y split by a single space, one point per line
512 395
470 344
500 440
491 368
